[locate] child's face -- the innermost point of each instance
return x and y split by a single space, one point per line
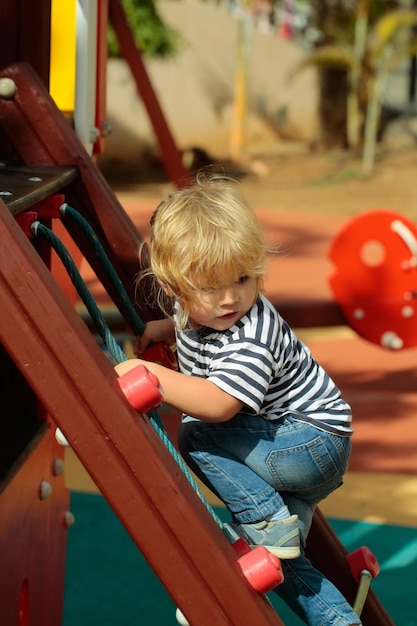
221 308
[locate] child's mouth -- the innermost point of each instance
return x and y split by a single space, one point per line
228 316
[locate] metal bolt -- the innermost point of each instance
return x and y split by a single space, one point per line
45 490
391 340
60 437
58 467
7 88
69 519
407 311
106 128
93 134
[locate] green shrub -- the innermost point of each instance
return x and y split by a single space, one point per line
152 36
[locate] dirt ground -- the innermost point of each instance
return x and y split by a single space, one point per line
332 183
294 179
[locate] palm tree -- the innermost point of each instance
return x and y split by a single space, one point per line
391 43
375 50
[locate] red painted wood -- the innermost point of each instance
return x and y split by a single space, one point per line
132 55
120 450
33 540
55 143
25 34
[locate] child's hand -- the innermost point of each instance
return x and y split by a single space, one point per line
126 366
156 331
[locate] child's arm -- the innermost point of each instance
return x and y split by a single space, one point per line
197 397
155 331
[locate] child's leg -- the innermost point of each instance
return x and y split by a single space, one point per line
207 448
247 496
261 514
313 597
303 510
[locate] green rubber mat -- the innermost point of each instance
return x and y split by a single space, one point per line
109 583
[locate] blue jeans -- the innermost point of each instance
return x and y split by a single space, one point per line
256 466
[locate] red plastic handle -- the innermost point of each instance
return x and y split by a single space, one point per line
360 560
160 353
262 569
141 389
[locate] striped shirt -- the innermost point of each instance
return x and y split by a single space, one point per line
261 362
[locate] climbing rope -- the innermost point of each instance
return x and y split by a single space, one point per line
133 318
102 327
116 352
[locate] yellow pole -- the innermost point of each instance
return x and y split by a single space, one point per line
63 54
240 106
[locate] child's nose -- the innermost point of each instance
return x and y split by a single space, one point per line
228 295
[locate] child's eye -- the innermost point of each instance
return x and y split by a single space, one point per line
242 279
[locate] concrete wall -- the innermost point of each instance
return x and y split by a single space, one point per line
196 90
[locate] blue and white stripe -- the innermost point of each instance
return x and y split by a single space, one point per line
261 362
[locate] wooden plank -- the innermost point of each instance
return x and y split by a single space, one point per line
25 34
22 186
120 450
9 32
34 36
303 313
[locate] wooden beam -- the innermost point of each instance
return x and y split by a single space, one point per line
25 32
171 156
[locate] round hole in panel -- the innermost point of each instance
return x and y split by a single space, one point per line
373 253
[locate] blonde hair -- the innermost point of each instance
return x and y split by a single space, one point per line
203 237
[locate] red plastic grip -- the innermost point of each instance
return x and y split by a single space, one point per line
262 569
360 560
141 389
161 353
241 547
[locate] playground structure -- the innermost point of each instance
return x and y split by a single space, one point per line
55 375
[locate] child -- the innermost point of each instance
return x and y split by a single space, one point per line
264 427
